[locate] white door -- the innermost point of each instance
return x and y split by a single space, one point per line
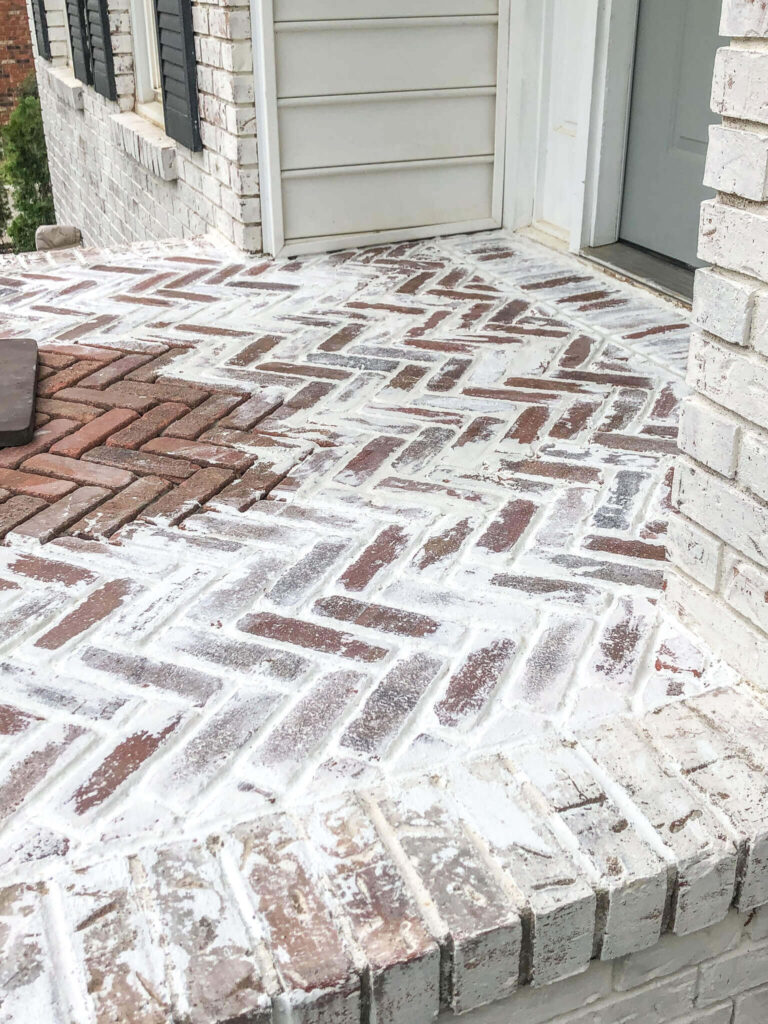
385 120
669 120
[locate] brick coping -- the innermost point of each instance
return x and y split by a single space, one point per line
447 890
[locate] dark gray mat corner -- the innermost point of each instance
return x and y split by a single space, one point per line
18 378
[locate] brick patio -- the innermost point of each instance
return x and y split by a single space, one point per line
308 556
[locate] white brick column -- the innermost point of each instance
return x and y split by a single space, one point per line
719 541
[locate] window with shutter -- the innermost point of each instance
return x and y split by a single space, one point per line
41 28
91 43
102 66
178 71
78 37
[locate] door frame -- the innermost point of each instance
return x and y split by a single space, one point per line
268 142
597 176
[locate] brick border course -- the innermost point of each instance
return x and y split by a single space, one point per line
338 911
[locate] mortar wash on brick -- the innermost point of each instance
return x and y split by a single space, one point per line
336 683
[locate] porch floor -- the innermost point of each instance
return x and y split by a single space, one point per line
291 531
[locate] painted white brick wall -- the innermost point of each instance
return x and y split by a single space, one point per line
717 975
719 542
117 176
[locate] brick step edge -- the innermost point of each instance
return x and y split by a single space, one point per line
448 890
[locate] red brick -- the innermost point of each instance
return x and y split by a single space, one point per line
392 702
294 914
13 721
577 352
255 484
47 571
146 674
211 411
449 376
29 771
627 548
200 452
253 352
36 486
505 531
57 517
251 412
472 686
55 408
443 545
555 470
388 546
408 377
94 608
121 509
142 463
78 471
635 443
150 425
368 460
65 378
308 634
17 510
117 767
11 458
112 372
377 616
188 496
426 447
93 433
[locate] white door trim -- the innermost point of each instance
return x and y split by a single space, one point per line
597 176
608 120
265 84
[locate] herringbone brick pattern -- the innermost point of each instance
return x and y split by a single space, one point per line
287 528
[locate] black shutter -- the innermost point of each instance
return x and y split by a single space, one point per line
78 37
178 71
41 28
102 65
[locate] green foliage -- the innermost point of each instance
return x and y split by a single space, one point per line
25 171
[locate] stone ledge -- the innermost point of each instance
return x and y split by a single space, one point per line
145 143
65 86
450 890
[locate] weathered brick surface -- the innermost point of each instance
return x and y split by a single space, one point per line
318 666
721 488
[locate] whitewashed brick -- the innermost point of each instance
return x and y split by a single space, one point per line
544 881
735 238
746 591
728 512
752 1008
743 18
694 551
660 1002
731 377
737 162
732 974
727 633
756 925
709 436
723 305
629 876
560 1000
753 464
676 953
740 84
687 832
